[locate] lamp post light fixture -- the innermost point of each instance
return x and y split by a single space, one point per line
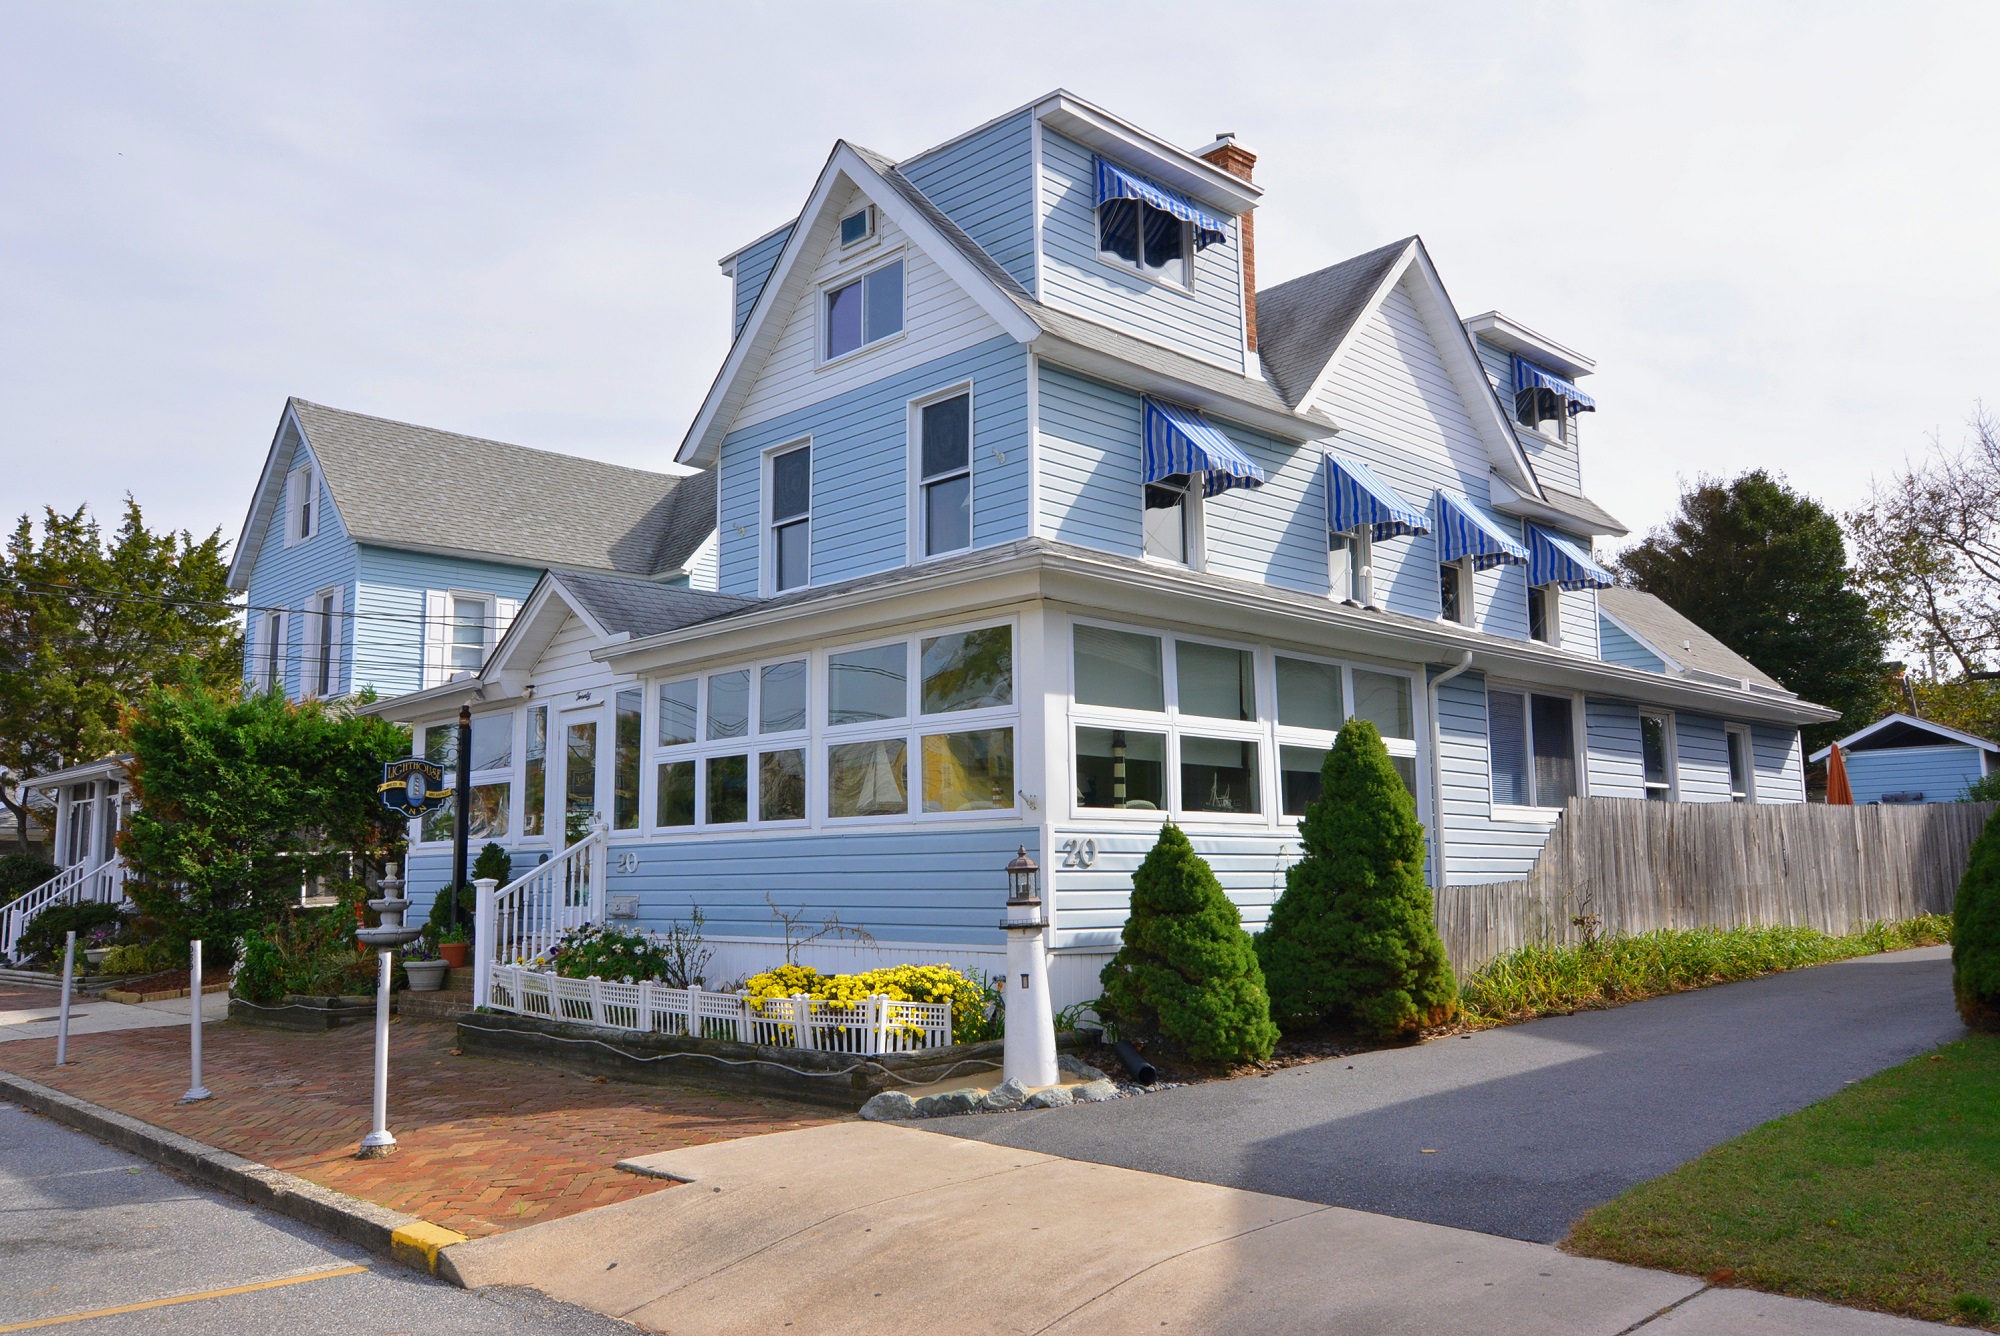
1030 1045
385 939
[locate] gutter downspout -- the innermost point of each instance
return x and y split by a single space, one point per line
1437 780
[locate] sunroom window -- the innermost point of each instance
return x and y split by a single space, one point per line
492 776
865 311
728 747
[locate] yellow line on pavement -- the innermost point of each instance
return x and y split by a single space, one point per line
182 1299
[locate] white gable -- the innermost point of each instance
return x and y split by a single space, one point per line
939 317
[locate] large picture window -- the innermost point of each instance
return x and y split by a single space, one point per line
1531 742
713 762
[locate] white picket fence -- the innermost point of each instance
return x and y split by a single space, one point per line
878 1025
76 884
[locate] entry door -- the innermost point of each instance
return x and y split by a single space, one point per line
580 749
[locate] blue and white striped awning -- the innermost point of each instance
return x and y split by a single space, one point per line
1179 440
1114 182
1528 376
1464 531
1555 560
1356 497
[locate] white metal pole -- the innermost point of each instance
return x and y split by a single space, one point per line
62 1017
380 1141
196 1091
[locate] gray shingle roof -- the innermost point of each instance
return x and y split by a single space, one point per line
401 485
645 607
1301 321
1683 641
1580 507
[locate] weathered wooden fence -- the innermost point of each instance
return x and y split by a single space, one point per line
1637 866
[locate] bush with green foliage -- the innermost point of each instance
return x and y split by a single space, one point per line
437 924
1984 790
44 936
240 797
494 862
21 873
310 953
144 958
1975 936
1187 972
1353 940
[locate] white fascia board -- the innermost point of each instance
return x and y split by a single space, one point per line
1927 725
107 767
1514 337
412 706
783 287
1097 129
270 482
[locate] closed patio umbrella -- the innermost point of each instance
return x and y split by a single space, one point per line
1837 789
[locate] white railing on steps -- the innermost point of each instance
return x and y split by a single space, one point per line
522 921
76 884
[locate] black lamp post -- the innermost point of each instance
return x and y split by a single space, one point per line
461 833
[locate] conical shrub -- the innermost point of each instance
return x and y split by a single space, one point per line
1975 933
1353 940
1187 971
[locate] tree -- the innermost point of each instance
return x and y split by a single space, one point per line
1975 933
239 798
1187 971
1354 939
1927 549
87 626
1762 568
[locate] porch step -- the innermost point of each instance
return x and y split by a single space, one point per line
442 1005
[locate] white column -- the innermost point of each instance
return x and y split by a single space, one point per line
196 1090
380 1140
483 945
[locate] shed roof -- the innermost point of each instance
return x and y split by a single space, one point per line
1907 730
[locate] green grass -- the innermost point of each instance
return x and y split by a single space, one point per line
1886 1196
1556 980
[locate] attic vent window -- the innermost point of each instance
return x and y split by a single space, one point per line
858 226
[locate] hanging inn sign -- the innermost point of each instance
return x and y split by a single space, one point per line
413 786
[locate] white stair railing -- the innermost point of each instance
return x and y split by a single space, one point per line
523 920
78 883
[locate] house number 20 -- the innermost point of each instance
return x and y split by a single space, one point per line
628 863
1079 853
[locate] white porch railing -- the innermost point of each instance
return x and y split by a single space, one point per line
77 884
875 1025
522 921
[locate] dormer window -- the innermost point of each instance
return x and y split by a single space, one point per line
1546 402
866 310
1142 227
858 226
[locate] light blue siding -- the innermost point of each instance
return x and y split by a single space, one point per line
1275 533
288 577
1205 322
1477 847
860 490
1941 774
1611 733
985 183
1091 905
1614 646
1090 445
753 268
389 607
1780 762
1579 620
1703 759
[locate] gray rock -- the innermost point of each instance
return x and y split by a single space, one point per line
889 1106
1055 1097
1009 1094
1074 1066
950 1102
1096 1092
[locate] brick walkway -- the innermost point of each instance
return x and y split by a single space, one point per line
484 1145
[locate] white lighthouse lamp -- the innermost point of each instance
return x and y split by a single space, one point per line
1030 1055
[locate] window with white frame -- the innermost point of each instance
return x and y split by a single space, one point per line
730 748
471 621
535 772
270 670
323 641
1742 765
1545 614
944 474
301 504
789 554
1545 411
1134 235
1350 566
1531 746
1656 754
1309 696
1456 592
1172 519
627 733
492 777
858 226
864 311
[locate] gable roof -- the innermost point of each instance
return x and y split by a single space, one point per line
1683 644
396 484
1303 321
1907 730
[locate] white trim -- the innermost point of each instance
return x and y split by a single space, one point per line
302 510
1729 733
1034 461
915 530
1511 336
1040 215
847 278
1929 726
1551 615
1194 526
1175 167
1672 741
1137 269
1468 593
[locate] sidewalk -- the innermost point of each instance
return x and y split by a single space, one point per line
866 1227
485 1146
30 1013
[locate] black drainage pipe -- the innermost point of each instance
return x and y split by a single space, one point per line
1142 1070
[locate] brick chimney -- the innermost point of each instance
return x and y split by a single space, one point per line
1237 160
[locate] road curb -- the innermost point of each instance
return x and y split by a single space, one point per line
405 1239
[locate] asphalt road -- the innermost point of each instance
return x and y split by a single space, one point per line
84 1228
1518 1131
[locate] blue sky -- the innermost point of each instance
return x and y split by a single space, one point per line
1771 225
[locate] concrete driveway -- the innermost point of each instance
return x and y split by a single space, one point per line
1518 1131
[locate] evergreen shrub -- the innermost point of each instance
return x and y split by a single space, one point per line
1353 940
43 938
1187 972
21 873
1975 934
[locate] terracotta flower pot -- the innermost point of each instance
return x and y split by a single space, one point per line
456 954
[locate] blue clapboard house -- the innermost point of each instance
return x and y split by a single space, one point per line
1039 523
